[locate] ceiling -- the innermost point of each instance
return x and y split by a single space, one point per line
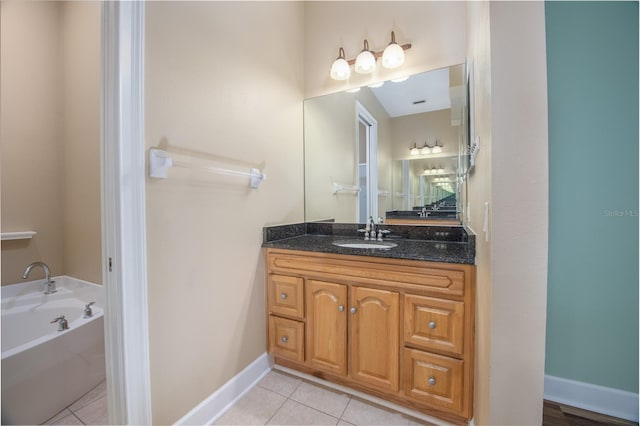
432 87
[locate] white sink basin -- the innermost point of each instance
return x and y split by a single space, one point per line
362 244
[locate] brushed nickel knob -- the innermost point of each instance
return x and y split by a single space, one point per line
283 296
432 324
284 339
353 310
341 308
431 381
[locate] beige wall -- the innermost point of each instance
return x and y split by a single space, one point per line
31 136
507 43
225 80
81 136
330 154
519 211
51 137
478 192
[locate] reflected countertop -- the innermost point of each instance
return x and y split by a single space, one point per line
426 243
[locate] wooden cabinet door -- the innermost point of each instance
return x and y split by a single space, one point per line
327 326
373 338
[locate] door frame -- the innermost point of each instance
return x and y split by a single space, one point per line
124 274
364 116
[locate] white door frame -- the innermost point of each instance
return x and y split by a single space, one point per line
363 115
124 273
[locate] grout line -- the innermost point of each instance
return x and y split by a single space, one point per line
79 419
279 408
345 408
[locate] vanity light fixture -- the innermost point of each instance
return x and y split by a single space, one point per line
441 170
415 150
437 149
393 55
426 149
340 68
366 60
376 85
354 90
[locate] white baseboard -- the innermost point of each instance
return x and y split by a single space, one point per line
600 399
209 410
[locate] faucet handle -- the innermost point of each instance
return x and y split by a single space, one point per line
87 310
55 320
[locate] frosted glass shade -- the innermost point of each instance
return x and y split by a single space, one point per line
393 56
340 69
365 62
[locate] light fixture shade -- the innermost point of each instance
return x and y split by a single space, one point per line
414 150
425 149
340 68
393 55
365 61
437 149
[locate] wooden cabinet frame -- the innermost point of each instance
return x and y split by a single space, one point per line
446 287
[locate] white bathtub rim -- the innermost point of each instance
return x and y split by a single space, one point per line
27 292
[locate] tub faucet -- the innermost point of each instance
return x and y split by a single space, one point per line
49 284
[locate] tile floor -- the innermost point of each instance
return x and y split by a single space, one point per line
90 409
281 399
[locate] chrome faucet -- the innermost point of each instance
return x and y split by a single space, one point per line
49 284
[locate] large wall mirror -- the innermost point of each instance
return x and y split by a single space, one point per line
394 152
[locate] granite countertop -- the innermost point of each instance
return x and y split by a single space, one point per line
434 244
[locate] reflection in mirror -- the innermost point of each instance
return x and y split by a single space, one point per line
393 152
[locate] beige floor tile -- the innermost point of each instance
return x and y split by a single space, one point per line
255 408
93 395
343 423
323 399
281 383
361 413
294 413
61 415
94 413
417 422
68 420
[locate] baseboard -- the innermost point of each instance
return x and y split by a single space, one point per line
600 399
209 410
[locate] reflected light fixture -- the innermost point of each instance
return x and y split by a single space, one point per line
393 55
365 61
414 150
376 85
354 90
426 149
437 149
340 67
440 169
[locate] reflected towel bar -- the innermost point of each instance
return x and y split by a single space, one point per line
338 187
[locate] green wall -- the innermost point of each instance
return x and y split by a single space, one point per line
592 309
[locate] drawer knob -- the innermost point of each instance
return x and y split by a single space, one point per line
353 310
431 381
284 339
283 296
341 308
432 324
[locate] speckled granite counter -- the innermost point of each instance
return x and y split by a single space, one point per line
430 243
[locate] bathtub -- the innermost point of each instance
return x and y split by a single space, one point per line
44 370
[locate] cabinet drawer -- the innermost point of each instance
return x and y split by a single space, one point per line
286 295
435 379
286 338
433 323
412 275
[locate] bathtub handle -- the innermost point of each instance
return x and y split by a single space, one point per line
88 313
62 323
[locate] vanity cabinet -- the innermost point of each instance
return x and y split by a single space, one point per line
402 330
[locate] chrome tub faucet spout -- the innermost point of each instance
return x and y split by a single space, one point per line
49 284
